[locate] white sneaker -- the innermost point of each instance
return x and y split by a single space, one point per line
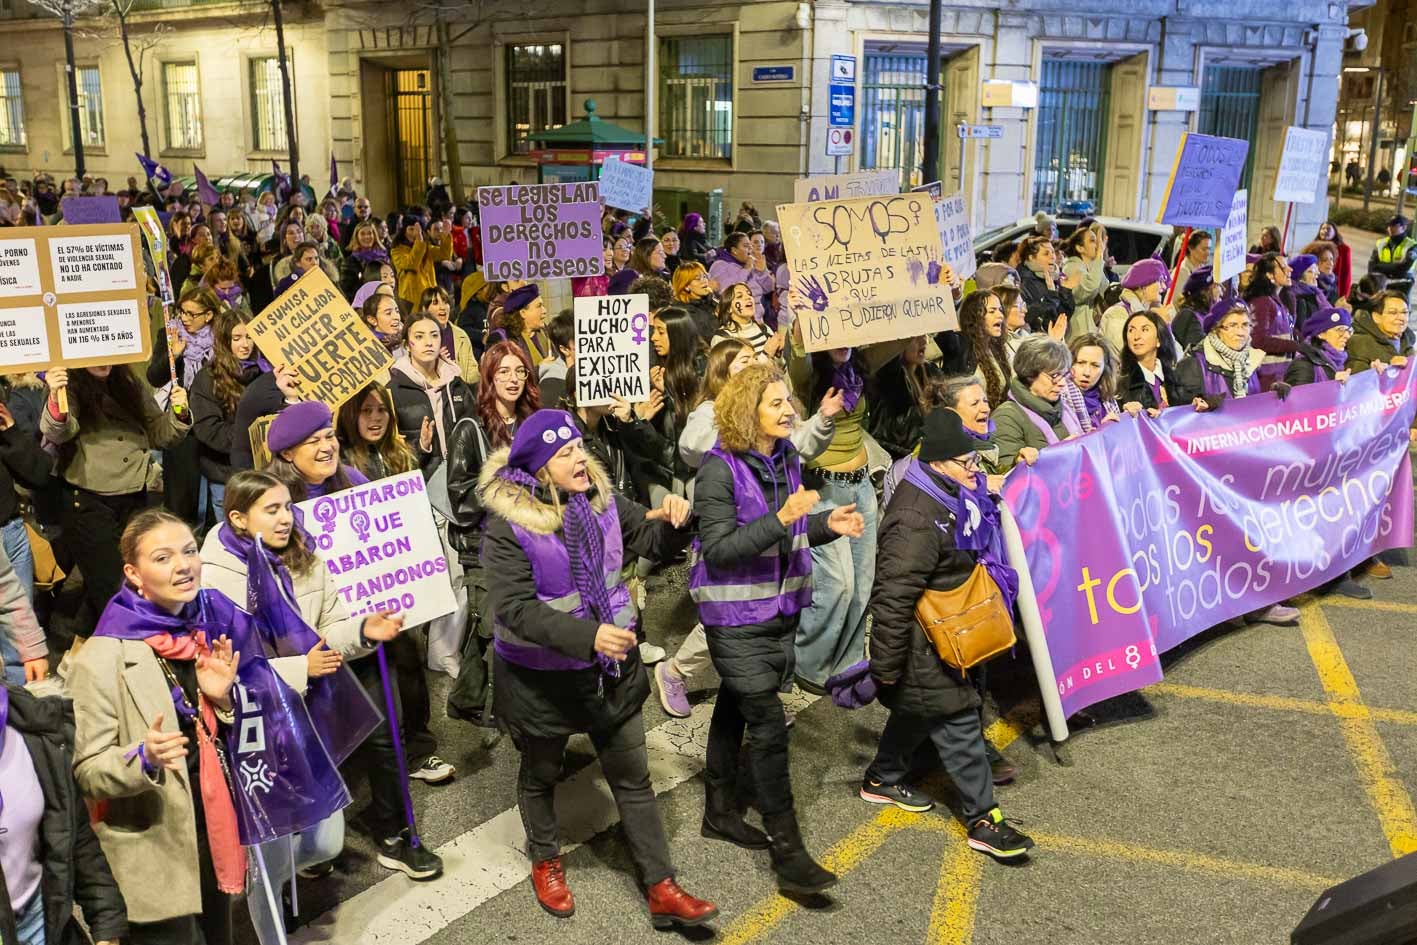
651 654
434 771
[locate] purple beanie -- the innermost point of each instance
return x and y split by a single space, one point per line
293 425
361 295
519 299
1219 310
540 437
1144 272
1301 264
1325 318
1198 281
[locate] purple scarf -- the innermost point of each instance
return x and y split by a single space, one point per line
848 381
1069 420
376 254
197 353
982 437
977 526
1332 356
258 363
230 296
1095 410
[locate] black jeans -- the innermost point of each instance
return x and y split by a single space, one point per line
213 925
406 661
626 767
182 480
958 738
385 815
92 526
761 714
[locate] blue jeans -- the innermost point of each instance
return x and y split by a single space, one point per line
320 844
29 921
217 492
831 634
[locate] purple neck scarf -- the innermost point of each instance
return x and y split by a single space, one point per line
197 353
1095 410
230 296
258 363
982 437
376 254
848 381
1332 356
977 526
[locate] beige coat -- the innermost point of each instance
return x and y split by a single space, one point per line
148 830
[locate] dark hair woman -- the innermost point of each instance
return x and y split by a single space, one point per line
978 347
1047 298
415 256
647 259
368 430
380 312
693 242
1198 293
193 342
1325 268
456 344
429 393
897 407
1343 265
1148 374
216 391
739 262
1273 332
1270 241
736 320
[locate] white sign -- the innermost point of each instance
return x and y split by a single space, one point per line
1230 257
955 239
100 329
24 339
626 186
1173 98
843 68
1001 93
92 263
839 141
1303 167
382 548
19 269
612 349
845 186
981 131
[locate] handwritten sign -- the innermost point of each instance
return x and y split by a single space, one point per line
625 185
102 209
155 236
845 186
612 349
956 238
311 327
867 270
382 548
540 231
1203 181
1303 166
72 296
1230 258
256 433
936 189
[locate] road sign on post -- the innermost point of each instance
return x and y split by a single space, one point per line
841 112
981 131
840 141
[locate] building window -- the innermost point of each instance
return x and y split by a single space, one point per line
1230 107
90 108
893 115
183 100
696 97
12 110
1072 136
536 92
268 131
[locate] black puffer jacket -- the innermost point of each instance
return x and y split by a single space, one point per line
1132 386
895 419
467 451
759 657
1045 305
411 402
75 870
915 551
1308 367
215 427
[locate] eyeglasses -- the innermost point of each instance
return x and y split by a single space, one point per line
1058 376
506 373
1238 326
969 463
205 311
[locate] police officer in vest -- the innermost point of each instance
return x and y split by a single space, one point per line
1395 255
565 659
751 578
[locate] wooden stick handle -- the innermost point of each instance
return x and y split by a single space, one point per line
63 400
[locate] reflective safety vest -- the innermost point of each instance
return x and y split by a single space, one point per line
767 585
1388 252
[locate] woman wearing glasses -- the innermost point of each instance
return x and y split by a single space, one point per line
1225 363
1034 415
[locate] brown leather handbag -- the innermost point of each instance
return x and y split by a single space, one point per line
969 624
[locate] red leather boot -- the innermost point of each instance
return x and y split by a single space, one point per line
669 905
548 878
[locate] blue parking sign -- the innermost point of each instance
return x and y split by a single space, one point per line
843 106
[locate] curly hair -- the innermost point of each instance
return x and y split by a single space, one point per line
990 356
527 404
736 406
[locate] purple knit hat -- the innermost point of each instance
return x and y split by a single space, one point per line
1301 264
1220 309
361 295
293 425
519 299
540 437
1144 272
1198 281
1324 319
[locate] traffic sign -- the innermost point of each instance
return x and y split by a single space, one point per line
844 69
842 113
840 141
981 131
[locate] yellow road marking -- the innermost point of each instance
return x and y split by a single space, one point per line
1386 606
1370 756
1345 710
957 894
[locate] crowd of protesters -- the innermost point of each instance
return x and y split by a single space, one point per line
805 490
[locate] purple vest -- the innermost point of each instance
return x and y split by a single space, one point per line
766 586
551 570
1217 384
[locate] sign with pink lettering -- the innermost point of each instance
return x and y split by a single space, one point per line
1148 532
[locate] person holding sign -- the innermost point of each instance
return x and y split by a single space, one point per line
193 344
565 657
305 452
1035 417
216 393
415 257
105 441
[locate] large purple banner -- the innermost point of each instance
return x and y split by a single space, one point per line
1144 534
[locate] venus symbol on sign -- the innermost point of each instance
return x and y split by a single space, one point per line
638 324
359 521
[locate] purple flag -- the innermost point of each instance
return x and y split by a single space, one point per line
103 209
206 193
334 173
154 170
281 187
1146 533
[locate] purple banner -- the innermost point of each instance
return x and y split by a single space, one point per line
79 210
1204 181
541 231
1149 532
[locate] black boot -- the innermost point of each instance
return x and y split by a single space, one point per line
723 820
796 870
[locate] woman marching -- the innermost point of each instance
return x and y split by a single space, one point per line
565 657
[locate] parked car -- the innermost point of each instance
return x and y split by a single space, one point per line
1127 240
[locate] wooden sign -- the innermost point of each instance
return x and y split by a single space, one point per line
74 296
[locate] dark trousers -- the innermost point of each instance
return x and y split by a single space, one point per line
376 756
761 714
182 480
626 767
958 738
471 695
92 525
416 708
213 926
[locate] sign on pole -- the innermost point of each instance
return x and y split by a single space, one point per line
540 231
612 349
74 296
382 548
1203 181
839 141
1303 166
155 236
867 270
626 186
1230 256
312 328
841 91
102 209
845 186
956 239
981 131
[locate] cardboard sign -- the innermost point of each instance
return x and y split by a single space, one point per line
312 327
256 433
845 186
866 270
72 296
936 189
1203 181
382 548
612 349
956 238
1230 256
155 236
626 186
540 231
103 209
1303 167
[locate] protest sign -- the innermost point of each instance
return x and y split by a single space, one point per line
1230 257
956 239
1203 181
382 548
612 349
155 236
1303 166
845 186
311 327
72 296
935 189
256 433
102 209
540 231
866 270
1197 518
625 185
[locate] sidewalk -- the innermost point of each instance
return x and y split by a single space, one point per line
1362 243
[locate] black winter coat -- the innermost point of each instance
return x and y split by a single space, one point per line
759 657
915 551
1045 305
75 870
1308 367
214 427
895 419
262 397
1132 386
704 312
412 406
468 449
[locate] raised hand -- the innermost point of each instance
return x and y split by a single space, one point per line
934 270
1028 454
797 505
178 400
425 435
289 383
382 627
833 403
216 672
